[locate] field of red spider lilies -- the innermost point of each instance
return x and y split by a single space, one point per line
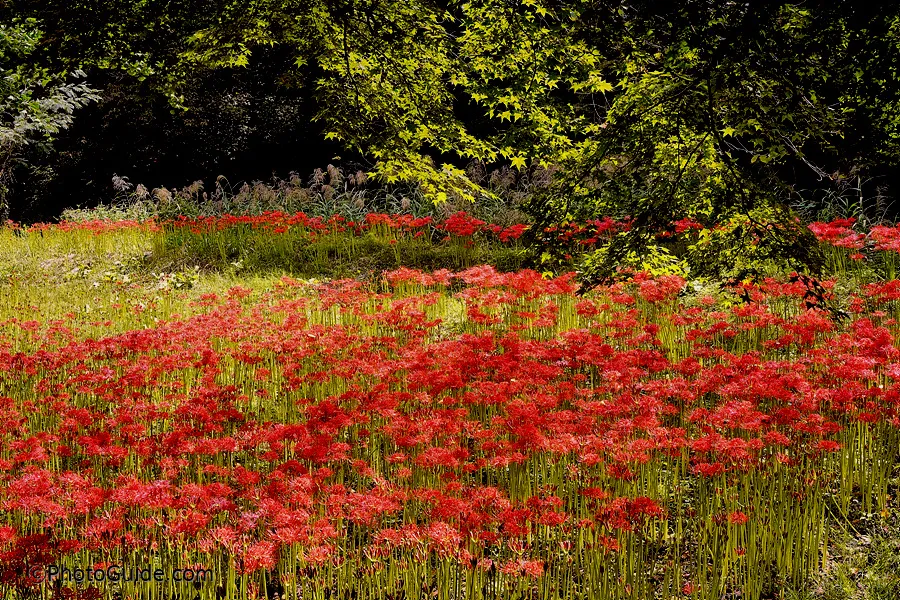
454 434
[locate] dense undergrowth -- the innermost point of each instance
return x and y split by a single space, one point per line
338 247
300 244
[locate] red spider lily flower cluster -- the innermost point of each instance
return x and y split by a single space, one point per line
493 425
459 225
590 233
96 226
680 227
840 233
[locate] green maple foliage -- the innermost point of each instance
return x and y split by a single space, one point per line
708 110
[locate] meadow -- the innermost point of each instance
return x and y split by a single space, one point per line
395 408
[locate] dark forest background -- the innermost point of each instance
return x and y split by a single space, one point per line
237 123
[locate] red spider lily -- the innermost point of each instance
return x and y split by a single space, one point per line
738 518
531 568
337 426
838 233
886 238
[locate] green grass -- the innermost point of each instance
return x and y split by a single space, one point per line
132 277
863 560
335 255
